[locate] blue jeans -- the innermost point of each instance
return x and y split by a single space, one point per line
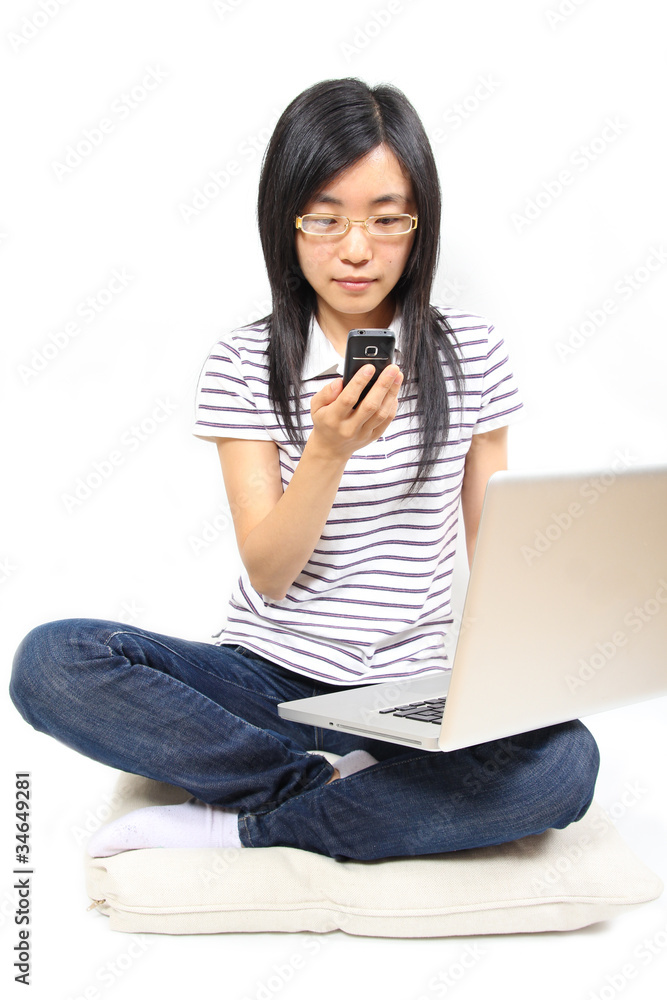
203 717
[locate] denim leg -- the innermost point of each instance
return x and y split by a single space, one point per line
203 717
420 802
192 714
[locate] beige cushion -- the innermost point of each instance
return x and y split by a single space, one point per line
558 880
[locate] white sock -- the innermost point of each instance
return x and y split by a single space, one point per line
190 824
355 760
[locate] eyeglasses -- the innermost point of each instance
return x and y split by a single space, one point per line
337 225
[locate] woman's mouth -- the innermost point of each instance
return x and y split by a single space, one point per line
354 284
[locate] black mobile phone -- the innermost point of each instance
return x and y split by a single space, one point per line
368 346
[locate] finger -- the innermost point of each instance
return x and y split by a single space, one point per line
384 393
391 379
356 385
326 395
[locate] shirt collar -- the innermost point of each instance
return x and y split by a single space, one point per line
323 359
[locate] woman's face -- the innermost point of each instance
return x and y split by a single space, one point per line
353 275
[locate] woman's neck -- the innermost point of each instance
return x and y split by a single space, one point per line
336 326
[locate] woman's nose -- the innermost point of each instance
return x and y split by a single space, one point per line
356 245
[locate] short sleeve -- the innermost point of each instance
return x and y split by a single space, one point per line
500 401
225 404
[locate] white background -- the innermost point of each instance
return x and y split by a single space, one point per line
511 95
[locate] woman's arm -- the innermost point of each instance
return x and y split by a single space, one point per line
277 531
487 454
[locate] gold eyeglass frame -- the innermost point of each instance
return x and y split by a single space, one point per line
364 222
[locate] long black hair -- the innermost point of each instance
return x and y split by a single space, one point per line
323 131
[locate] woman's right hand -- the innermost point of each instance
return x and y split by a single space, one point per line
339 429
277 530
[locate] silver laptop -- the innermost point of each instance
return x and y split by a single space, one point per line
565 615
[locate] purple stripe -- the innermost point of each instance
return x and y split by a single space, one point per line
364 548
292 626
330 599
396 552
310 672
430 564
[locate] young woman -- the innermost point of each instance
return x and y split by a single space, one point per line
346 522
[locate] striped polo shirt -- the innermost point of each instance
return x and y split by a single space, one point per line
373 602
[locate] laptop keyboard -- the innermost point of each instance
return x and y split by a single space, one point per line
429 710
